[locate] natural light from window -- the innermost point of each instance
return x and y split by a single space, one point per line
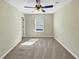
30 42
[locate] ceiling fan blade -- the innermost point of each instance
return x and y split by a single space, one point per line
43 10
28 7
49 6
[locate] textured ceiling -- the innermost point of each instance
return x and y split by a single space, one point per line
19 4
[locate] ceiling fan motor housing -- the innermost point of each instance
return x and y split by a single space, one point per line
38 7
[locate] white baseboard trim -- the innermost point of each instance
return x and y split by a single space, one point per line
66 48
10 49
37 36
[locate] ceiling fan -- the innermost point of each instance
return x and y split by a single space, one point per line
38 6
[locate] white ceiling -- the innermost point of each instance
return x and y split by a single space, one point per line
19 4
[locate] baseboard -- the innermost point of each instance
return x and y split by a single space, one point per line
30 35
10 49
66 48
38 37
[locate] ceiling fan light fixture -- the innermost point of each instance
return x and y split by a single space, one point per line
37 11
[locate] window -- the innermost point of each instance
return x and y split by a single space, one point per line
39 23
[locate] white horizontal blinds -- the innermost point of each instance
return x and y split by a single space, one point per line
39 23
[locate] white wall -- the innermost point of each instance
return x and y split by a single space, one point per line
30 26
10 27
66 27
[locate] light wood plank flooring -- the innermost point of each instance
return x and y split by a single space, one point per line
42 48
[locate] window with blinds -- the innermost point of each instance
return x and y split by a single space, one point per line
39 23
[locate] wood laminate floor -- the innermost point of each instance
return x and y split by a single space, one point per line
39 48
